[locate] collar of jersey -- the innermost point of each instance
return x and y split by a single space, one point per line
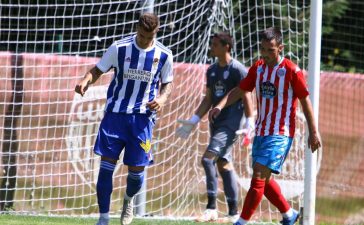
280 61
142 49
226 66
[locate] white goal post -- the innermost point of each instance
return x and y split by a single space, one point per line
47 161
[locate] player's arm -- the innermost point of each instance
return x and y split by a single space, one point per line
106 62
234 95
90 77
247 96
313 138
161 100
248 104
249 125
188 125
246 85
299 87
205 104
166 86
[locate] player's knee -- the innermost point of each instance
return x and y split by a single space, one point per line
207 162
136 168
208 158
261 172
134 182
108 159
223 165
136 175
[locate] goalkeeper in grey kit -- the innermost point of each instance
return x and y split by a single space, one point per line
222 76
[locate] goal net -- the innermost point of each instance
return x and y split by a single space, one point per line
48 132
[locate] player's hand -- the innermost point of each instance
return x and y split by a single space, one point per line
247 130
213 113
155 105
314 142
82 87
248 127
185 130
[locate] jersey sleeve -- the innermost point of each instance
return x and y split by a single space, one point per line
298 83
248 83
243 72
108 59
167 70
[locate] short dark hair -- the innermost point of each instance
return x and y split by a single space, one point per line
148 22
224 38
272 33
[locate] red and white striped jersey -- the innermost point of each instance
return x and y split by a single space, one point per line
277 91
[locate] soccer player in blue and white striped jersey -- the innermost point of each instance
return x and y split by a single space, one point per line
141 64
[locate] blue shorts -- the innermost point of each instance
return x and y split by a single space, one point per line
271 151
130 131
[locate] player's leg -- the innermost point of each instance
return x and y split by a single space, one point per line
219 149
272 189
227 173
137 155
225 139
273 193
208 163
108 145
255 193
134 182
261 174
104 188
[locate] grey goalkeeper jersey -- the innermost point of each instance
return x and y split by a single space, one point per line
220 80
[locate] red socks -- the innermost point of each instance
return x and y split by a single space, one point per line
253 198
273 193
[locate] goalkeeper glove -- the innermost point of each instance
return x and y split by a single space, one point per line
247 128
249 125
187 126
247 131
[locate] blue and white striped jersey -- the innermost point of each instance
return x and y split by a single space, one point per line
137 73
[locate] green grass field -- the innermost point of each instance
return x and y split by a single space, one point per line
44 220
325 207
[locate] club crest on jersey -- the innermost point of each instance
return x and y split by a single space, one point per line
281 72
212 74
268 90
226 74
127 59
155 61
146 145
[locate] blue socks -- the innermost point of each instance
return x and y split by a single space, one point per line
134 182
104 186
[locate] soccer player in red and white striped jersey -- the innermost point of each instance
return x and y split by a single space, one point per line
279 84
277 87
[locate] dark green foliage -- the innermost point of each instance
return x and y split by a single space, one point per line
343 36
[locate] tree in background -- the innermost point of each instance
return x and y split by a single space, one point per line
343 36
342 31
